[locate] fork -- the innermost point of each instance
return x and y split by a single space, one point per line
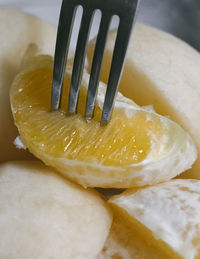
126 11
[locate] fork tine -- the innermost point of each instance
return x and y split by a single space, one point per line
96 65
61 51
79 60
121 44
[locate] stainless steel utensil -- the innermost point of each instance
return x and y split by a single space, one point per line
126 10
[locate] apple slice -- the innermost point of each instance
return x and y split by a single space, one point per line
44 216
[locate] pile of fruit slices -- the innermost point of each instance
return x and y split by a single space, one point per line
139 149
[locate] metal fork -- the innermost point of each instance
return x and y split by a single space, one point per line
126 10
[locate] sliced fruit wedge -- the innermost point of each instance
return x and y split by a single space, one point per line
166 215
125 243
163 71
137 147
43 215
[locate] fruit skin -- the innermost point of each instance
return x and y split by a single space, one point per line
173 153
45 216
167 215
17 30
163 71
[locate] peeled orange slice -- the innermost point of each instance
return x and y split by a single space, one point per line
137 147
163 71
166 215
124 242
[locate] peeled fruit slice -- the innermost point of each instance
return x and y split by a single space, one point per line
17 30
163 71
138 147
125 243
45 216
166 215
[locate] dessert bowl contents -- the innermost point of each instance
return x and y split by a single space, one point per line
166 215
42 215
163 71
137 147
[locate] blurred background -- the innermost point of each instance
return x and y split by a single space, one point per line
179 17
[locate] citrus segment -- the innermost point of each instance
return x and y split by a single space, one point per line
163 71
133 149
85 141
124 242
166 215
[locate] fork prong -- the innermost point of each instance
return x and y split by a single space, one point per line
121 44
96 65
79 60
67 15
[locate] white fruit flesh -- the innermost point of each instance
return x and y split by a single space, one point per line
167 215
125 243
44 216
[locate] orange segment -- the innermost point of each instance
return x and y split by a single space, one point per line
163 71
124 242
122 142
133 136
167 216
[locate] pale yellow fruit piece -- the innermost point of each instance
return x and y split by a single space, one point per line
17 30
125 243
163 71
137 147
45 216
166 215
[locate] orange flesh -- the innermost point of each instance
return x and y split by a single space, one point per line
123 141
